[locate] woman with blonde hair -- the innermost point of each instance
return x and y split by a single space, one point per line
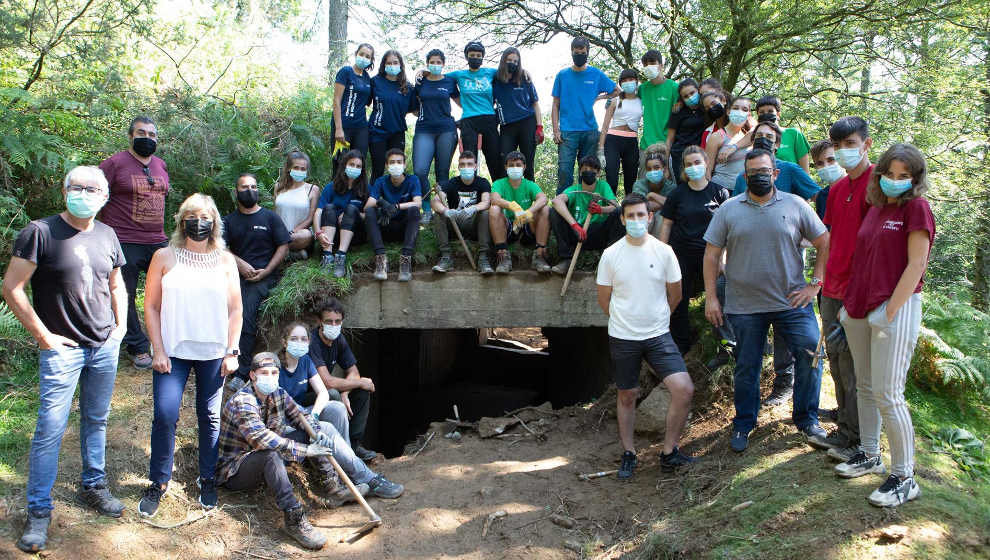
295 202
192 310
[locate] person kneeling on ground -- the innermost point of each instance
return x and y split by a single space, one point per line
392 211
462 202
262 428
519 210
574 204
637 271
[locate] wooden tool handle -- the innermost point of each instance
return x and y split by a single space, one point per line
574 258
347 480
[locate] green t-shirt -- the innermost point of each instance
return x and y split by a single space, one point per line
578 203
525 195
658 100
793 145
642 186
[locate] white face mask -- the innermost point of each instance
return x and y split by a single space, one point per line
652 71
297 348
396 169
848 158
331 331
266 384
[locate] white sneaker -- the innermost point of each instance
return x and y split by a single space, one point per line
895 492
859 465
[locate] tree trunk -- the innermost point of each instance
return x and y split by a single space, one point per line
336 35
981 276
866 77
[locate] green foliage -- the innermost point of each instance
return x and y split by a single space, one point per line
968 451
953 353
303 287
11 330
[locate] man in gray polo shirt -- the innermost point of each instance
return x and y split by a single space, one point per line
760 232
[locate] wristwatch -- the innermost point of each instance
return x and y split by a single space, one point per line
817 282
235 352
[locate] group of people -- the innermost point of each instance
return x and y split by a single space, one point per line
716 201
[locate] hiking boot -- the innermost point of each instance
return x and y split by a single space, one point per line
35 534
385 488
381 267
539 263
503 262
628 465
561 267
739 441
99 498
843 454
484 267
859 465
142 360
340 265
342 494
327 261
779 396
364 454
299 528
669 463
818 438
405 268
148 506
895 491
445 264
207 492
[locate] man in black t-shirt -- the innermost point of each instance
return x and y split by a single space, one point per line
464 200
259 241
79 318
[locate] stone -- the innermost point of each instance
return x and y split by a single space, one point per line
651 414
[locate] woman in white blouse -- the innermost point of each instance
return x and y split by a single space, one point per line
618 139
295 202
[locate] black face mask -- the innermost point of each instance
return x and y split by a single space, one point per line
759 183
580 59
474 63
197 229
247 198
512 67
144 147
589 177
716 111
763 144
767 117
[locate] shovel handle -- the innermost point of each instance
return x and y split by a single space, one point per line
347 480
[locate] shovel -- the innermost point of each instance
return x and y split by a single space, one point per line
595 197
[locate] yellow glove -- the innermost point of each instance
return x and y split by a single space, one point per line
516 209
341 145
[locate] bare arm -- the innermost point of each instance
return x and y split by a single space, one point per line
673 294
804 162
918 245
416 202
272 264
606 121
338 96
118 303
341 384
539 203
314 197
19 272
711 150
153 309
484 203
322 397
538 113
604 297
234 316
804 296
713 309
670 138
555 120
560 205
665 228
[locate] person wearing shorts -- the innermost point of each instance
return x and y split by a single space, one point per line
639 281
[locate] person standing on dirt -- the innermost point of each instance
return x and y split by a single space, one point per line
465 203
639 281
262 428
73 263
136 212
760 235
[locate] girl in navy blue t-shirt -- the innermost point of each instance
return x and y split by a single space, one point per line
391 99
436 135
351 96
341 207
518 109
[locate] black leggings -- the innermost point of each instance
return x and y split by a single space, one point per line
624 149
404 226
380 148
520 135
351 221
487 126
692 284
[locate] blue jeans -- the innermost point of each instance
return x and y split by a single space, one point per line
577 144
356 470
168 389
94 370
799 330
427 148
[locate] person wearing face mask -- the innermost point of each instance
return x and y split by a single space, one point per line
351 97
295 203
329 352
571 207
75 262
733 131
618 138
392 212
478 108
791 179
341 208
760 236
465 201
136 212
391 99
794 146
714 102
518 109
685 126
658 95
656 184
575 90
192 307
686 215
829 171
518 211
638 282
300 379
436 133
262 428
259 241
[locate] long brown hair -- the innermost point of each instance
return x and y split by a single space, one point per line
401 78
285 180
285 336
503 75
359 185
915 162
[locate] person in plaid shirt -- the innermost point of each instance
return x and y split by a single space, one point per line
261 428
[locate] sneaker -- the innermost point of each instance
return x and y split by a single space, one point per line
35 534
843 454
299 528
739 441
669 463
779 396
504 262
99 498
381 267
142 360
561 267
385 488
895 491
340 265
484 266
364 454
207 492
859 465
405 268
445 264
152 497
628 465
327 260
343 495
818 438
540 264
828 415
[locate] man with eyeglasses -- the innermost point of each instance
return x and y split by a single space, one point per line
760 233
136 212
73 263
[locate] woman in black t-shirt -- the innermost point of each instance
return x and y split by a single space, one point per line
685 126
686 215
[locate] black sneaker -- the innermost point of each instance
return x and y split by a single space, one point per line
860 464
35 534
779 396
385 488
207 492
669 463
364 454
152 496
99 498
895 491
628 465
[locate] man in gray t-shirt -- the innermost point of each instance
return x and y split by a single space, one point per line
760 233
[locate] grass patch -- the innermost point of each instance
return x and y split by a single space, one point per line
18 411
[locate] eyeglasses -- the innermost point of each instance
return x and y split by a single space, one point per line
81 188
147 173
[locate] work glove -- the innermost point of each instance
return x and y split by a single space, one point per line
581 234
383 219
453 213
594 208
391 209
469 211
539 134
322 439
516 209
601 157
317 450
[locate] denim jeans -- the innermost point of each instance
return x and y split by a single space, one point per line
430 147
356 470
577 144
95 371
799 330
167 389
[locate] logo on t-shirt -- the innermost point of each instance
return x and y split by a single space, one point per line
893 225
149 200
262 228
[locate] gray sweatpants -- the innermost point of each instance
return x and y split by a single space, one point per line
882 353
473 227
840 361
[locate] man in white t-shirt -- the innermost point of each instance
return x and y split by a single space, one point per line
639 282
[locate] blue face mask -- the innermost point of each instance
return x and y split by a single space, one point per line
830 173
266 384
297 175
296 348
895 187
848 157
628 86
352 172
467 173
695 172
738 117
693 100
514 173
392 69
636 228
435 69
362 62
82 205
654 175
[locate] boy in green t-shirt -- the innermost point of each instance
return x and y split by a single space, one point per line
574 205
519 210
794 147
658 95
